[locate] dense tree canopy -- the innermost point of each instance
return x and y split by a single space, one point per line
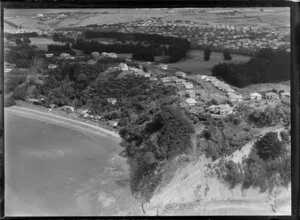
266 66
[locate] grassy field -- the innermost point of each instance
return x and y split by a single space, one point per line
260 87
42 43
195 64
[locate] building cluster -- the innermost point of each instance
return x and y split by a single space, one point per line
218 36
26 30
250 38
66 56
221 109
224 87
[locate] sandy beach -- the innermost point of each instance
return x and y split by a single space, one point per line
60 120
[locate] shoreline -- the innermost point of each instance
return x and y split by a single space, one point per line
60 120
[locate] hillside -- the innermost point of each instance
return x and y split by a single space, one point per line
196 190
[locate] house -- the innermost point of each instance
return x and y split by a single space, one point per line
222 109
153 78
163 66
112 55
180 74
169 79
123 67
179 81
70 58
91 62
204 77
82 111
147 75
191 101
188 85
112 101
285 95
49 55
7 70
85 115
34 101
234 97
191 93
52 66
67 56
113 123
52 106
68 109
255 96
271 96
64 55
95 54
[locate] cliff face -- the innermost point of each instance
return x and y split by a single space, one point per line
196 190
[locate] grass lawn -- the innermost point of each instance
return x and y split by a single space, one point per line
195 64
42 42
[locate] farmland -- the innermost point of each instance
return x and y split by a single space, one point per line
195 64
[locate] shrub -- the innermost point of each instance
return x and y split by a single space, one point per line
285 136
20 93
266 174
207 53
226 55
254 174
269 147
231 173
265 118
9 101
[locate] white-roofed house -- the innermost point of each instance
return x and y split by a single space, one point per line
95 55
52 66
255 96
112 101
91 62
234 97
163 66
180 74
204 77
123 67
49 55
191 101
222 109
188 85
113 123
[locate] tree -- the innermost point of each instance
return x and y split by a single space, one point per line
226 55
231 173
26 40
269 147
9 101
18 41
207 53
